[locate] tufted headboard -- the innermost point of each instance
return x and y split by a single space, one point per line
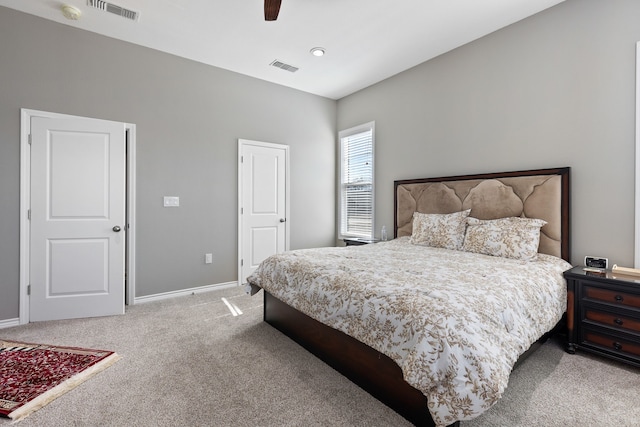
541 193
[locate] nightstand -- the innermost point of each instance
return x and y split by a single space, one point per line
357 241
603 314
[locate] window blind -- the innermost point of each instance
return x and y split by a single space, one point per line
357 184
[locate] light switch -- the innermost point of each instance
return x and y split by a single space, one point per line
171 201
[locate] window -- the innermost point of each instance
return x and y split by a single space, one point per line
356 181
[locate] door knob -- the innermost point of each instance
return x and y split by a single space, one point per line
282 220
116 228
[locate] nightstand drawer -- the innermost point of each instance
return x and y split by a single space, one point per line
611 296
603 314
613 320
611 343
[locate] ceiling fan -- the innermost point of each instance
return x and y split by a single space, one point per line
271 9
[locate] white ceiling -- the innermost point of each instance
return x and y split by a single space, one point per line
366 40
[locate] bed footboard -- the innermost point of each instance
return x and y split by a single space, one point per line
371 370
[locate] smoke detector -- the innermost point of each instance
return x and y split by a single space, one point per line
71 12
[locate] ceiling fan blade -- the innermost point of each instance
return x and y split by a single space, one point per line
271 9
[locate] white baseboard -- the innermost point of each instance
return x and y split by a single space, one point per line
9 323
184 292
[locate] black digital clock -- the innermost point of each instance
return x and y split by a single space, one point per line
596 262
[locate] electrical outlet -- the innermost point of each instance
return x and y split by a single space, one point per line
208 258
171 201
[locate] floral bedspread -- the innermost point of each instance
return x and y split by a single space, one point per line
455 322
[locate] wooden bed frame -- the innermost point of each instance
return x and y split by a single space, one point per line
371 370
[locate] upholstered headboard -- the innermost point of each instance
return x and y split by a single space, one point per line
542 193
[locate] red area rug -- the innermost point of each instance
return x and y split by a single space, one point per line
32 375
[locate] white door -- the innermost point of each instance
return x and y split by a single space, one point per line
77 224
263 203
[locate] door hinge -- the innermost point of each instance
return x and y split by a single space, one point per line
241 211
29 139
241 157
28 289
241 263
29 214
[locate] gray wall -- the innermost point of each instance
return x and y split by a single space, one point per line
556 89
189 117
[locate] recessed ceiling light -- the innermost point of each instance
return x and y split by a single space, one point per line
317 51
71 12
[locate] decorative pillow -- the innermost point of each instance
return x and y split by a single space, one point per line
439 230
513 237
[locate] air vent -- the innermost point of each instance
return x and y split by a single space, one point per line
284 66
114 8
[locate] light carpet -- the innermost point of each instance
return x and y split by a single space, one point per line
189 361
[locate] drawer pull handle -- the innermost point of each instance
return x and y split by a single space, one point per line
618 322
619 298
617 346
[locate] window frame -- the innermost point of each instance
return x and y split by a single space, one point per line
343 233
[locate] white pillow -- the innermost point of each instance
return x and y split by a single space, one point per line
513 237
439 230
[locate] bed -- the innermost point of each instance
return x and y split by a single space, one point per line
432 322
